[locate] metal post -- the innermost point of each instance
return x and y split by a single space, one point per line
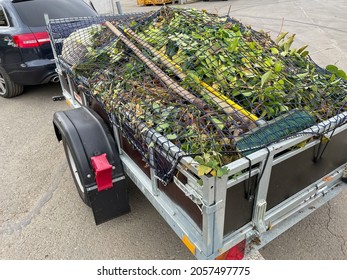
260 203
208 218
119 7
219 212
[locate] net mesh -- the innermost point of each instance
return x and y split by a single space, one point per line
180 82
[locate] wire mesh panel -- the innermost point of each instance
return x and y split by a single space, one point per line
181 82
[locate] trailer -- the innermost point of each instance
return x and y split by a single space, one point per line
217 212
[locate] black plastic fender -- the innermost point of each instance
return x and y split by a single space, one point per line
87 135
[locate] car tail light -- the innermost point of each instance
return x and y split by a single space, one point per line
31 40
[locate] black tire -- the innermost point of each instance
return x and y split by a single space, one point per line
8 88
75 173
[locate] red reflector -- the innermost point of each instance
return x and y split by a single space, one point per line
237 252
103 172
31 40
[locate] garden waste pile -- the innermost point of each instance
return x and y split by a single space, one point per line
182 82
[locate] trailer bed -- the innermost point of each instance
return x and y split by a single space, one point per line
263 193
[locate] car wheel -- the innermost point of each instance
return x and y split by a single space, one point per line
8 88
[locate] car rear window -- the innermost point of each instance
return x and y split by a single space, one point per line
32 12
3 19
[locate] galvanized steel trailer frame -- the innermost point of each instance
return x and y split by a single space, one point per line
209 241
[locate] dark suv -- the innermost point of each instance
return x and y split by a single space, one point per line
25 52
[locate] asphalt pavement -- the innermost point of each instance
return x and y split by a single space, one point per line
41 214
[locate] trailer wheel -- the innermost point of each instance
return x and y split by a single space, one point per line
75 174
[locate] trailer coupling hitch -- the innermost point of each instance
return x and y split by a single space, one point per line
58 98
